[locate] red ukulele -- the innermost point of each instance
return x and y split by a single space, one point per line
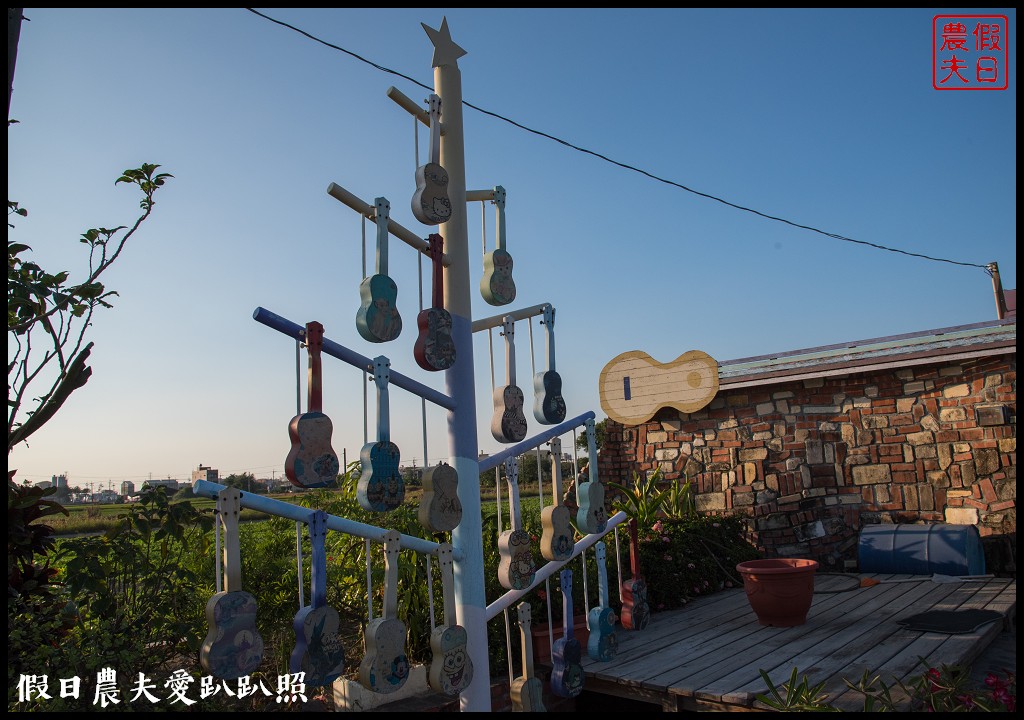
434 348
635 613
312 462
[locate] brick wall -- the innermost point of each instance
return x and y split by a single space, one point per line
809 462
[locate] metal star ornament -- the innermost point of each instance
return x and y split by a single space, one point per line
446 52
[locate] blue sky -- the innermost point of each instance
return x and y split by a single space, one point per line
826 118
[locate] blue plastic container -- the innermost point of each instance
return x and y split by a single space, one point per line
938 548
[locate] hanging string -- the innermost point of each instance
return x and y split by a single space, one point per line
533 362
298 376
298 562
369 583
430 596
497 494
364 245
618 560
508 648
416 141
423 400
586 597
490 334
366 377
483 231
218 521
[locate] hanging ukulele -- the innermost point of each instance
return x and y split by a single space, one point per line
386 666
497 285
434 348
318 650
451 669
566 653
312 462
635 613
381 487
591 517
233 646
516 568
527 691
556 540
508 424
548 403
430 203
440 508
377 319
602 644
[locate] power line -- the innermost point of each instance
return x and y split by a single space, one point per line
626 166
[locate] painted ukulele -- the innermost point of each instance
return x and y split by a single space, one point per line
440 508
516 568
434 348
451 668
548 403
377 319
381 487
556 541
497 285
233 646
602 644
527 691
318 650
566 653
591 517
633 386
508 424
430 203
386 666
635 612
312 462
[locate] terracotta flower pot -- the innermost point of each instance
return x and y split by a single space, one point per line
542 645
779 590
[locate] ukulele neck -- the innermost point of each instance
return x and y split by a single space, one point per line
436 251
435 129
314 386
499 205
509 331
382 215
549 325
382 376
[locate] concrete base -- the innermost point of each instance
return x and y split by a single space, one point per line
350 696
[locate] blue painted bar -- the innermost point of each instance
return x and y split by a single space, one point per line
294 330
491 462
279 508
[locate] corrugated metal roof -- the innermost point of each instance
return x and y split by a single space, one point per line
928 346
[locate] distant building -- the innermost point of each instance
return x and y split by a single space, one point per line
59 481
168 483
205 473
127 487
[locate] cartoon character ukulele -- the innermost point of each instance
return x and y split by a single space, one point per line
633 386
591 517
385 668
548 403
566 653
451 668
318 649
516 568
312 462
508 424
233 646
440 508
527 691
434 348
430 203
602 644
381 487
496 284
377 319
556 541
635 613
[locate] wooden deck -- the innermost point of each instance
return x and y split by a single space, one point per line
707 655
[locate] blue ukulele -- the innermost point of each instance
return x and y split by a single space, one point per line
377 319
381 487
591 517
548 403
602 644
566 653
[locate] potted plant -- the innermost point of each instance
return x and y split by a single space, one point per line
779 590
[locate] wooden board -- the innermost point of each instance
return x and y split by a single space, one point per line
633 386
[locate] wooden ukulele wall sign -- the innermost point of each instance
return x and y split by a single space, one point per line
566 653
385 668
381 487
233 646
516 568
557 540
312 462
434 348
508 424
633 386
430 202
440 508
377 319
318 648
591 516
635 613
451 669
602 644
548 403
496 285
527 690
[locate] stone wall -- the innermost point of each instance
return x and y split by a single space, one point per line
810 462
